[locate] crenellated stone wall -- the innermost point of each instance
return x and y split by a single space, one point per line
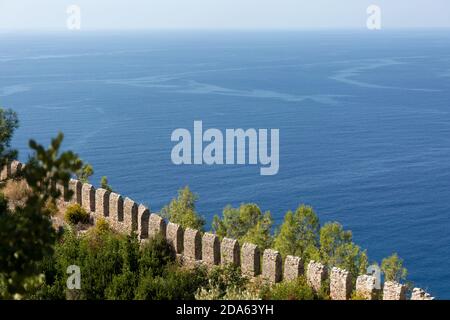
231 253
316 274
420 294
88 197
272 266
175 237
394 291
250 260
194 248
340 284
293 268
11 170
365 287
211 249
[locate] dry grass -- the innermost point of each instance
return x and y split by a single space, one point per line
17 192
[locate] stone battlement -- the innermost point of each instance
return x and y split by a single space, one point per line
194 248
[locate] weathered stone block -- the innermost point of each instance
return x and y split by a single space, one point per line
365 287
102 203
230 252
340 284
88 197
75 186
192 244
250 260
157 226
272 266
4 173
394 291
293 268
143 221
63 189
420 294
316 273
210 249
15 168
130 216
115 209
174 234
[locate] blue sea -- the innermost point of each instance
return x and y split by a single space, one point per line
364 121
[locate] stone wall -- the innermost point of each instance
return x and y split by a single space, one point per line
394 291
272 265
340 284
193 247
250 260
293 268
231 253
365 287
420 294
211 249
316 274
11 170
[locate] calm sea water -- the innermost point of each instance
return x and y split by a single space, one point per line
364 121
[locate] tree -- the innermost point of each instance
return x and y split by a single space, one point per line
393 269
332 238
84 173
8 123
338 250
104 184
27 235
299 233
246 224
182 210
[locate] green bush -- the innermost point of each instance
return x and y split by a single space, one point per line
175 284
155 255
293 290
76 214
122 286
226 276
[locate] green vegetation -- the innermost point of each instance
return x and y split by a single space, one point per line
27 235
34 255
84 173
104 184
337 249
76 214
299 233
182 210
393 269
8 124
246 224
115 266
293 290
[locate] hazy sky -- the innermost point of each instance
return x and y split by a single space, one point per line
221 14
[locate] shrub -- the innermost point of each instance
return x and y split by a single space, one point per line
393 269
246 224
357 296
293 290
223 281
76 214
122 286
227 276
51 208
175 284
155 255
299 233
182 210
101 226
231 293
